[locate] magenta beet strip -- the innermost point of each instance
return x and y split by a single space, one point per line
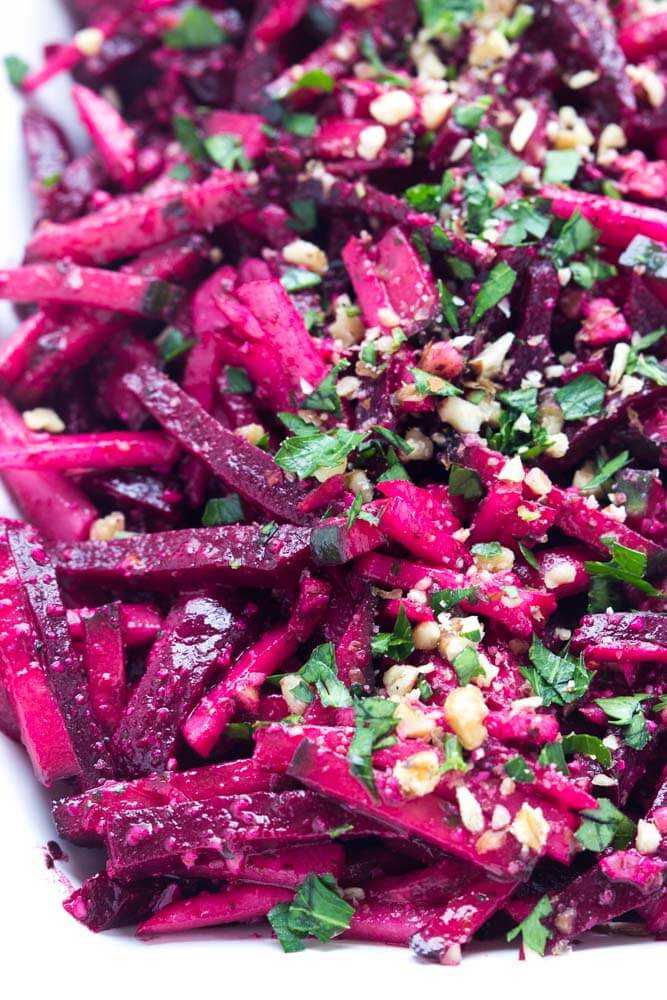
335 414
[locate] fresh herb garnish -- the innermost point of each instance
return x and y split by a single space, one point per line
499 283
444 600
492 159
223 510
625 566
576 235
487 550
324 398
180 172
310 449
467 665
227 151
606 471
304 211
581 398
298 279
533 932
448 305
374 724
470 115
446 17
626 711
528 556
557 680
188 136
528 219
321 671
318 910
553 753
299 123
465 483
172 344
453 752
315 79
519 770
590 746
17 70
561 165
197 30
605 826
430 385
237 381
397 644
588 272
382 73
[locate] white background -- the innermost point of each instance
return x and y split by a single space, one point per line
42 948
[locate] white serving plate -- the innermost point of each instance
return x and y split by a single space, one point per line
42 947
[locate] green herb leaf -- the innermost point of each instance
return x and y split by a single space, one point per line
603 827
318 910
424 688
453 752
315 79
533 932
470 115
223 510
300 123
297 279
576 235
180 172
588 272
528 219
519 770
447 305
227 151
520 21
51 182
172 344
487 550
340 831
499 283
398 644
521 400
374 722
237 381
310 449
444 600
465 483
304 211
17 70
606 471
581 398
553 753
557 680
197 30
445 17
561 165
187 134
647 255
382 73
325 399
626 711
479 205
468 665
528 556
321 670
425 387
589 746
394 439
492 159
625 566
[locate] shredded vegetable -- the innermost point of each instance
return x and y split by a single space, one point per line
336 418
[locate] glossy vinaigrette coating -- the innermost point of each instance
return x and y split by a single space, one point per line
336 414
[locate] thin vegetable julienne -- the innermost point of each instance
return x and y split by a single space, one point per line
340 396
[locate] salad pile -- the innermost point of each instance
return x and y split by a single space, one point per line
337 418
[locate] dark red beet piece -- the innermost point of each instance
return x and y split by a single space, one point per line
198 639
101 903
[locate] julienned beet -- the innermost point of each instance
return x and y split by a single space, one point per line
337 418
